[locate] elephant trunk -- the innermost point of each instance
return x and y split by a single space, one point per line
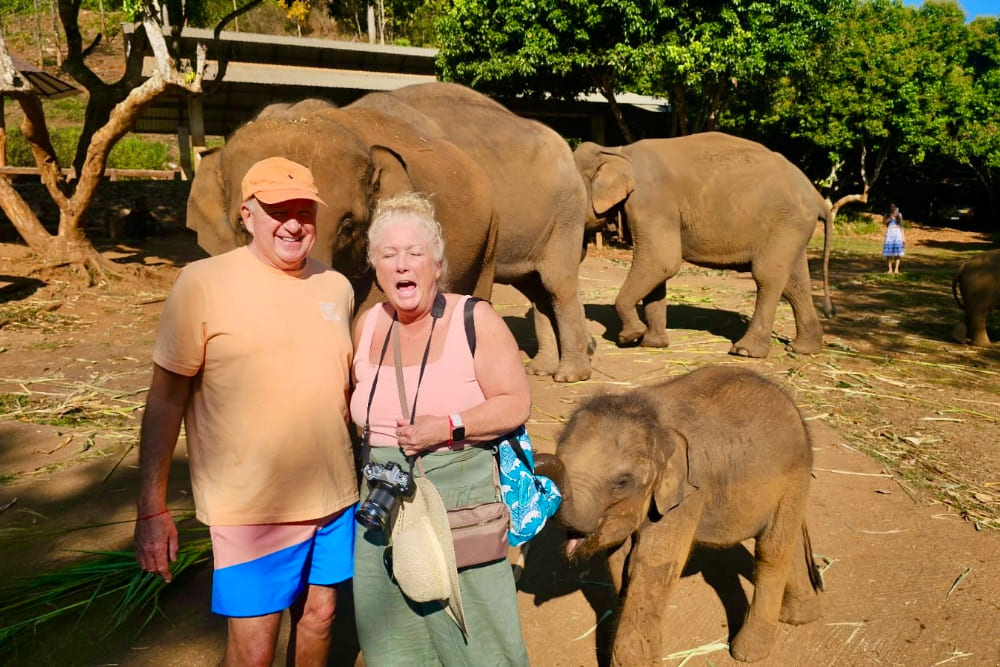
549 465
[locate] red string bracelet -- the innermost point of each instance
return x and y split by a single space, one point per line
150 516
451 431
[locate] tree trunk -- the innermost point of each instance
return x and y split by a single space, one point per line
616 110
371 24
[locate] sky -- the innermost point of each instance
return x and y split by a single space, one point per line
972 8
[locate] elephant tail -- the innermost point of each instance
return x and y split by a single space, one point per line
829 310
954 289
815 576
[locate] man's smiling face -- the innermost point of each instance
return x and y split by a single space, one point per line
283 232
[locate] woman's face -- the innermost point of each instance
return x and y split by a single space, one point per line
405 268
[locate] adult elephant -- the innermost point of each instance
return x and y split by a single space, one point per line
526 198
540 202
713 200
356 158
976 288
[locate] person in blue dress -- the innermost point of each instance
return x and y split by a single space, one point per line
895 241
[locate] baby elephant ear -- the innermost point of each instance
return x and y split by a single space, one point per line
676 481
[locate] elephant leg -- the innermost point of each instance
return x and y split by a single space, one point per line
655 309
655 564
546 359
976 327
651 268
756 342
560 276
798 291
800 604
774 551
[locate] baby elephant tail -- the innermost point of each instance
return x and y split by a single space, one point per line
815 576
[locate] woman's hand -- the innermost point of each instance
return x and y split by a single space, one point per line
425 431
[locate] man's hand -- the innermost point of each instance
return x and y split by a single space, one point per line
156 544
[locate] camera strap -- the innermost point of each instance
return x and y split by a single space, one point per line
408 412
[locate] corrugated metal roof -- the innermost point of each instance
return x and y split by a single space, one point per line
47 85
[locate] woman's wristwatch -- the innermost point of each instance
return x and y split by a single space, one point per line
457 427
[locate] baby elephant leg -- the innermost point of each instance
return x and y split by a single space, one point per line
654 567
800 604
774 552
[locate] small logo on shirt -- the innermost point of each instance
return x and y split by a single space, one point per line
329 311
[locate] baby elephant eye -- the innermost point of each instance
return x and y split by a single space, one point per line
623 483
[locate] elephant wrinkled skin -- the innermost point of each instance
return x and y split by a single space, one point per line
717 201
713 457
506 190
978 280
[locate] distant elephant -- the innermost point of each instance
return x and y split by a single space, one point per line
978 279
713 457
506 191
713 200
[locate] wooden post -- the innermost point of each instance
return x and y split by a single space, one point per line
196 119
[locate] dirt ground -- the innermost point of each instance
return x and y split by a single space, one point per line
903 510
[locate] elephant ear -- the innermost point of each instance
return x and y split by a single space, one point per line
389 176
208 207
676 481
613 182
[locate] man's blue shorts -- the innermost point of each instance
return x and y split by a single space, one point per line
261 569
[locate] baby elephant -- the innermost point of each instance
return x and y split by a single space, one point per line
713 457
979 281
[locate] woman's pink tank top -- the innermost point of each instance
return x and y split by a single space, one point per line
449 384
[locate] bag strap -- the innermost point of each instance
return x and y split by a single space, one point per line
515 444
470 334
470 322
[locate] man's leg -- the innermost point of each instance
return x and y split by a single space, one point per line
311 620
251 641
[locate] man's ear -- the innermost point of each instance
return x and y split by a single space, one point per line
675 482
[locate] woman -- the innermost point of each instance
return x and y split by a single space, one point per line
892 247
461 401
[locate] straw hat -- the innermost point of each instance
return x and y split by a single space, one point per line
423 556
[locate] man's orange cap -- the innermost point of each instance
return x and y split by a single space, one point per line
277 179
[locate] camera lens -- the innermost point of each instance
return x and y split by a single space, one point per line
374 512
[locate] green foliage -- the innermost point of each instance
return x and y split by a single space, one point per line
105 576
557 47
132 152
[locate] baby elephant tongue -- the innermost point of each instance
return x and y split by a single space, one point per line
571 545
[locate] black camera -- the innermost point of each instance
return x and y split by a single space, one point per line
386 484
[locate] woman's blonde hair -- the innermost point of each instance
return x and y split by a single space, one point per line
413 208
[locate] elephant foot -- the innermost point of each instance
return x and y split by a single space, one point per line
750 347
981 341
959 333
570 371
805 346
630 335
799 610
753 642
543 365
656 339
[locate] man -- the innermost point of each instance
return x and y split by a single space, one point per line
254 355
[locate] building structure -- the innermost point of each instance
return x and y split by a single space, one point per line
247 71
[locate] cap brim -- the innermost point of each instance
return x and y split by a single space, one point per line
276 196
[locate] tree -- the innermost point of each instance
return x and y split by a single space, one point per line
111 111
974 137
713 53
693 53
879 89
550 47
